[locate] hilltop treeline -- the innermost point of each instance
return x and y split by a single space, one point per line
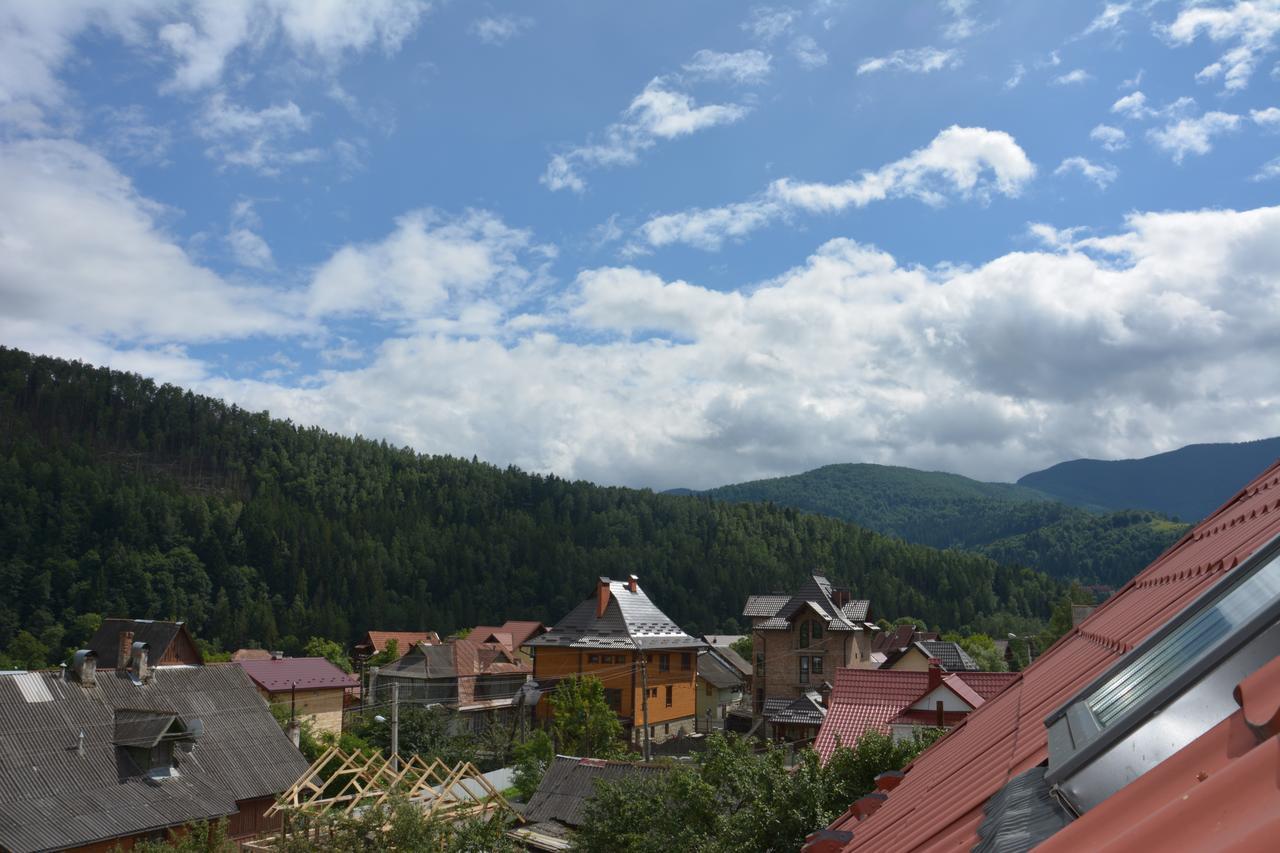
120 496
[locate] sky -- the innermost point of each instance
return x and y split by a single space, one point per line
662 244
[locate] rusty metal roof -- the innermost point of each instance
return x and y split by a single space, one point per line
1006 736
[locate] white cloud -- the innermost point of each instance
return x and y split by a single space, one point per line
960 161
744 67
1073 78
920 60
1249 27
1135 106
255 139
1269 170
248 248
1270 117
127 133
1193 135
807 52
500 29
1110 138
1015 79
659 112
962 25
1102 175
81 250
770 23
1110 346
1108 19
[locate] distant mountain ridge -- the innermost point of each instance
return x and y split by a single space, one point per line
1012 523
1188 483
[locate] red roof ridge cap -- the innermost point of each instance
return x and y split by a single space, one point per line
1258 695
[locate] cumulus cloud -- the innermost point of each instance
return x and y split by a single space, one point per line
247 246
744 67
962 24
767 23
1247 27
1101 175
1110 138
919 60
1108 20
1110 346
960 161
500 29
80 249
660 112
1015 79
1269 171
807 52
1073 78
1270 117
1193 135
255 139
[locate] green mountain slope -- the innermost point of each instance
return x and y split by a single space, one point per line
1011 523
118 496
1188 483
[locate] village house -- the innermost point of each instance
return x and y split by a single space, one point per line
799 641
622 638
1151 725
919 655
896 639
721 687
376 642
723 645
310 688
93 758
170 642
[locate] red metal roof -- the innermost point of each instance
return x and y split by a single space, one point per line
405 640
1006 736
275 676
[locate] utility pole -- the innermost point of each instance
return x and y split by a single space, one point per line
395 726
644 701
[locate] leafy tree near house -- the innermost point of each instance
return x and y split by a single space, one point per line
319 647
744 647
533 756
390 652
582 723
983 651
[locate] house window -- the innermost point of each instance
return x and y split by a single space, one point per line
664 663
804 670
668 695
760 663
817 632
686 661
804 635
817 665
593 658
614 698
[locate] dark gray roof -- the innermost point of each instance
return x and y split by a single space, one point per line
570 782
1020 815
735 660
807 710
53 797
158 635
815 594
143 728
713 669
630 620
424 661
952 657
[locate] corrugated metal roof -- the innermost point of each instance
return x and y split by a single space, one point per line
275 676
718 674
53 797
1006 736
630 619
570 783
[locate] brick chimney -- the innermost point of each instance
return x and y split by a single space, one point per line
124 648
935 673
633 583
602 597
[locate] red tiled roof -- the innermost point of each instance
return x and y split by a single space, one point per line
1006 736
866 699
275 676
405 640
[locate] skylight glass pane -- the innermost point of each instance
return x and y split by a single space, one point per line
1186 645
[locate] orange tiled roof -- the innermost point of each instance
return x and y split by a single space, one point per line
1007 736
405 640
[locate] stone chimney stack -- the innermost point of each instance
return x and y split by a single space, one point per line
84 667
139 666
124 648
935 673
633 583
602 597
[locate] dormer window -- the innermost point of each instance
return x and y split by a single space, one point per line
148 738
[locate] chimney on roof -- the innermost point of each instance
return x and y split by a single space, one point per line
935 673
84 667
840 597
139 666
633 583
277 655
123 649
602 597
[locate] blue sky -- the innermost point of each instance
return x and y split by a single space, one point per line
662 244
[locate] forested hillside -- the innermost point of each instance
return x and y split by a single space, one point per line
119 496
1188 483
1011 523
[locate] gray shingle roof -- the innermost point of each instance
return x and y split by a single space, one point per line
53 797
807 710
570 783
717 673
629 620
950 655
816 594
764 605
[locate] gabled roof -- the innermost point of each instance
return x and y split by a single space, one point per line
899 638
375 642
815 595
155 633
808 710
713 670
952 657
630 620
425 661
866 699
570 783
1007 737
734 660
53 797
281 674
